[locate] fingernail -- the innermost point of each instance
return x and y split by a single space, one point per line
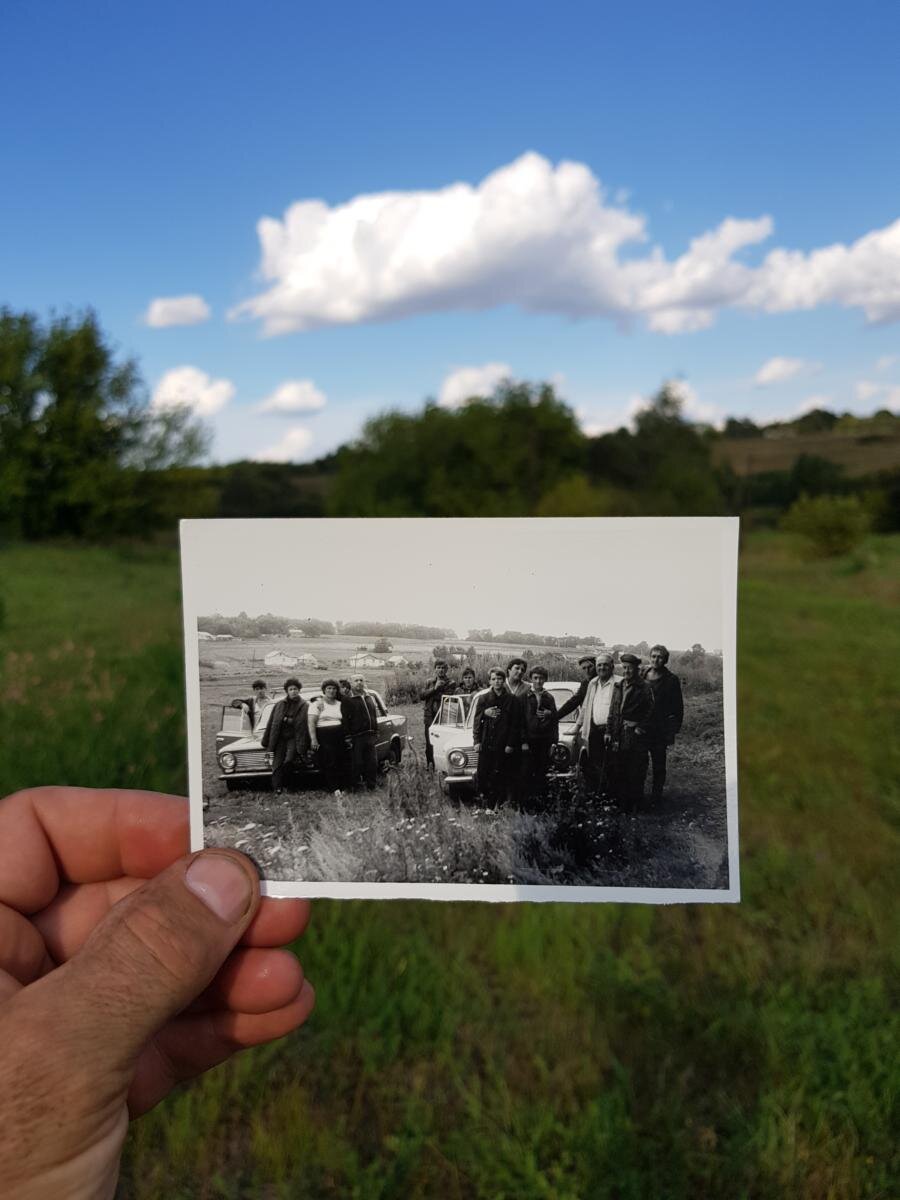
221 884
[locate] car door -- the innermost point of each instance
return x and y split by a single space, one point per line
384 730
235 724
451 716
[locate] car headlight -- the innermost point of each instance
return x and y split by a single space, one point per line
228 761
456 758
560 755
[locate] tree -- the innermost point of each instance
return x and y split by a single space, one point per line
494 456
666 463
74 427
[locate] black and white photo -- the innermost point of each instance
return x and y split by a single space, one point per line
494 709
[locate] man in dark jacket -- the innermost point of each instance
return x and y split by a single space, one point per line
435 690
497 734
588 671
360 712
628 727
541 723
668 714
468 683
287 733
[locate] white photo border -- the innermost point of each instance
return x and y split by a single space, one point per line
192 536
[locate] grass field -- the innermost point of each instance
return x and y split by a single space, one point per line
562 1052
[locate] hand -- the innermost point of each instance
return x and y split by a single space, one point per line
492 712
314 745
508 750
477 747
525 747
119 976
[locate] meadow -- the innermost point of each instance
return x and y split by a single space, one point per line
559 1052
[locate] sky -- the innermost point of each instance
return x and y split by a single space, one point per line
297 216
517 574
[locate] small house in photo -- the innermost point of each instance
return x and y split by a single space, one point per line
277 658
365 660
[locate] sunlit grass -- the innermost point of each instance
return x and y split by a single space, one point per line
564 1052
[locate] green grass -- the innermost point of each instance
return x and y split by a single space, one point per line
566 1052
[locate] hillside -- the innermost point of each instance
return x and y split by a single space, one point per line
858 454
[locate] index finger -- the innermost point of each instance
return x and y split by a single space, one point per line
51 835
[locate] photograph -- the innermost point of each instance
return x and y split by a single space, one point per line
492 709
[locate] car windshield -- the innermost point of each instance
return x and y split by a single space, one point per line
561 695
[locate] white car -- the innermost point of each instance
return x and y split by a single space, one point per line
455 759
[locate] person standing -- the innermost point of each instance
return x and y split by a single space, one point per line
516 683
630 718
496 733
541 731
468 683
435 690
359 712
593 723
287 733
586 662
253 705
328 737
668 714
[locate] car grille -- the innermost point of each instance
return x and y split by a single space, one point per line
251 760
471 758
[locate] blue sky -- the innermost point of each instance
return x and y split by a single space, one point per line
147 142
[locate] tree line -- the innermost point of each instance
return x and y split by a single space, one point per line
83 454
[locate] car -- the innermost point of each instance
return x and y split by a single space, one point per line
455 759
244 762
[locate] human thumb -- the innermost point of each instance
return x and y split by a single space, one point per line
156 951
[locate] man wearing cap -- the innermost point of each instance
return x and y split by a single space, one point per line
668 714
628 727
594 720
586 662
287 734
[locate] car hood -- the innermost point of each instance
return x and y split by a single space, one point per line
244 743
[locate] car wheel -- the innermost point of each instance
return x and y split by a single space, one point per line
445 786
234 785
396 752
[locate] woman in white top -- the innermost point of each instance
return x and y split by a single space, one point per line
328 737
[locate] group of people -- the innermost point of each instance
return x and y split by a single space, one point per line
624 725
338 730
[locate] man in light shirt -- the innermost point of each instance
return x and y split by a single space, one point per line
592 722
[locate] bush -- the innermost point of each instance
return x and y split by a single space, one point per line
830 525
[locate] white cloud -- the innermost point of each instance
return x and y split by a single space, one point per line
176 310
866 389
878 395
294 396
189 387
465 382
292 446
780 370
885 362
547 239
693 408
